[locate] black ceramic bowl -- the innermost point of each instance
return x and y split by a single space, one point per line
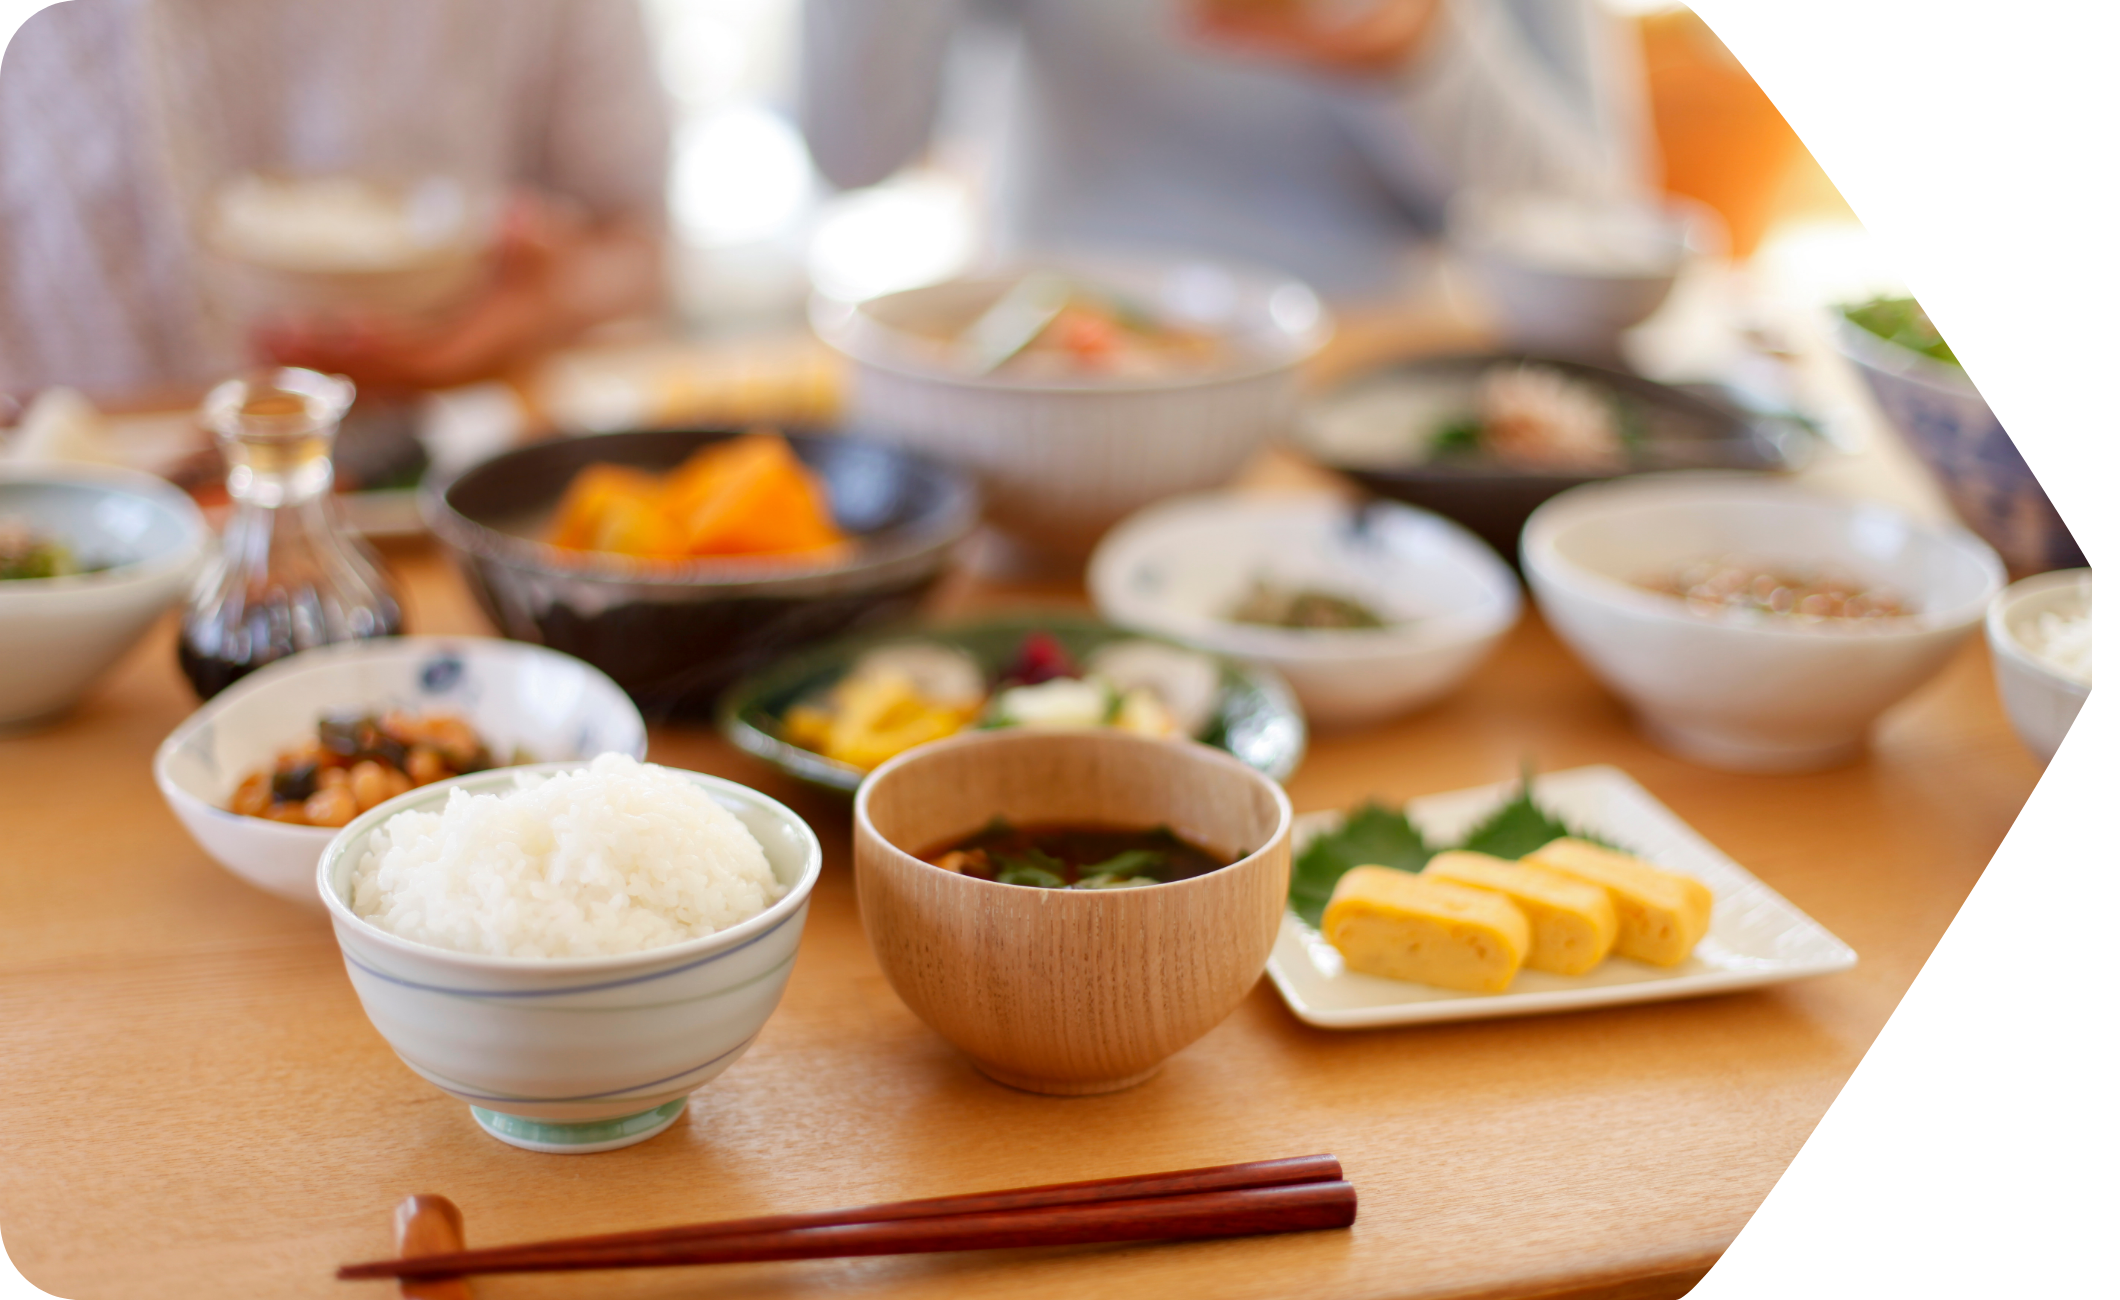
674 633
1373 428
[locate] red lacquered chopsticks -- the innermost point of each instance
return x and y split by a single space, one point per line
1292 1195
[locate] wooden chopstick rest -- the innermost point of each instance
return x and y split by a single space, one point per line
1221 1200
430 1225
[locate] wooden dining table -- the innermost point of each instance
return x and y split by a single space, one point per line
192 1103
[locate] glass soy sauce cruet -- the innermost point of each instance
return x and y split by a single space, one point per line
289 576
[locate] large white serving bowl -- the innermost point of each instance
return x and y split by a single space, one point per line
517 697
1178 568
2042 701
1061 460
1758 694
58 635
580 1054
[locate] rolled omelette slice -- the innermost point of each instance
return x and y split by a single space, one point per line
1662 914
1404 926
1573 922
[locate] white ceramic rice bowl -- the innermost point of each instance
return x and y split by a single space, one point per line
583 1054
1176 569
1750 695
2041 700
58 635
1059 461
514 695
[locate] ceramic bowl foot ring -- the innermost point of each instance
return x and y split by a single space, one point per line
578 1139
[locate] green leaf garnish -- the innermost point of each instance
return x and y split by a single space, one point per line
1371 835
1035 868
1460 437
1629 424
1114 882
1133 862
1520 827
1514 829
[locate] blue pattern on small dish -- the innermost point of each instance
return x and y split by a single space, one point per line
1945 421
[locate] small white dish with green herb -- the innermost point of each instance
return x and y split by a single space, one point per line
1756 937
1369 610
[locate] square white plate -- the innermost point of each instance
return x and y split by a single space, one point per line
1755 937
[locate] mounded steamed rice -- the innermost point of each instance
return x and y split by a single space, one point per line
2063 640
619 857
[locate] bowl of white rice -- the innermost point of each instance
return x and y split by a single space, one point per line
571 948
2039 638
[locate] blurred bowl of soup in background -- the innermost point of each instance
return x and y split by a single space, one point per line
1135 379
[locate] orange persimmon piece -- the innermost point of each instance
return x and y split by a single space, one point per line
577 521
746 496
761 500
693 482
638 526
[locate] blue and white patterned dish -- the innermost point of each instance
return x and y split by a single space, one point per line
575 1055
1947 423
517 697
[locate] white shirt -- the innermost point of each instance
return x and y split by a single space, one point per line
1122 129
117 115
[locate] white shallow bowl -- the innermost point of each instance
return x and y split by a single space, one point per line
1750 694
58 635
515 696
579 1054
2041 700
1061 460
1176 569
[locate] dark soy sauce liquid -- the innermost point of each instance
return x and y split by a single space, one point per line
1082 845
214 657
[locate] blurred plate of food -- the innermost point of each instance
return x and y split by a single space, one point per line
1486 439
383 448
829 715
1494 848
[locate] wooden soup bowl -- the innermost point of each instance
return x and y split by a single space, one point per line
1059 990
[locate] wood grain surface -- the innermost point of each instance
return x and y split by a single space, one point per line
1070 992
192 1104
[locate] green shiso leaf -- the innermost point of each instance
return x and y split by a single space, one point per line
1372 835
1516 828
1520 827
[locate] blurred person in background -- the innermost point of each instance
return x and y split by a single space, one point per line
118 117
1324 137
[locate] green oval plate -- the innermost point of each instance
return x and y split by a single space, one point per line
1257 718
